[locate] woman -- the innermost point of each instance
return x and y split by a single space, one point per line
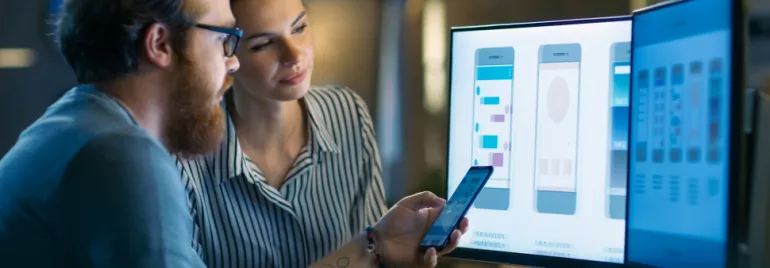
298 173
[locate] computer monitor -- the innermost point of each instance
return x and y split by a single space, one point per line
685 182
546 104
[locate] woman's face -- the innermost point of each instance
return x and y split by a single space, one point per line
276 38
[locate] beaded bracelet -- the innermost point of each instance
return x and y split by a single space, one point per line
372 247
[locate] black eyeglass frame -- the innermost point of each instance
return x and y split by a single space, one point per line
234 36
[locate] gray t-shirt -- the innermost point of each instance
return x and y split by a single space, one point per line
86 186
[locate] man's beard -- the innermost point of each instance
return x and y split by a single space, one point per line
194 126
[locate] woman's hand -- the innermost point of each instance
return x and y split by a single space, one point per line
399 232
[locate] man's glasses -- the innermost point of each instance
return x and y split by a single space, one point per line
233 37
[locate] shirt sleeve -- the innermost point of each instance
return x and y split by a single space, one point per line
370 204
121 204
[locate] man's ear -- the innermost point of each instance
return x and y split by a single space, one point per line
157 45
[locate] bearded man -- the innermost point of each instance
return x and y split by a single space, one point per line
92 182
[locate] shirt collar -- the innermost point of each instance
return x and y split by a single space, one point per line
319 129
230 153
231 157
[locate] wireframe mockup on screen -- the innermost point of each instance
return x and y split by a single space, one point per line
547 105
683 134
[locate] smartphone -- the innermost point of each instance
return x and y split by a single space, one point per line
456 207
620 83
492 122
556 147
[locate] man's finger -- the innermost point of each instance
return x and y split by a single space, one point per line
421 200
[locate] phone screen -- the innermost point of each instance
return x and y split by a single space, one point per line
557 128
457 206
618 157
492 119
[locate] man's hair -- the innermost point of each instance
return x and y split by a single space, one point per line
102 40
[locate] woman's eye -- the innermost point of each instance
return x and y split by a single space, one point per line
261 46
300 29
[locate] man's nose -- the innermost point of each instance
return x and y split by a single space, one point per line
232 64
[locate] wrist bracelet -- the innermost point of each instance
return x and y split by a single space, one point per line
372 247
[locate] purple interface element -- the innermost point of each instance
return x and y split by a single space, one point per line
497 159
497 118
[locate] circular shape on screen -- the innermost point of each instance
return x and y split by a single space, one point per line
558 99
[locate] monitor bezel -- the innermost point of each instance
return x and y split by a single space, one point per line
736 201
491 256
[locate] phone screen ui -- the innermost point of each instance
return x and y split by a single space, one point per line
557 128
620 82
492 119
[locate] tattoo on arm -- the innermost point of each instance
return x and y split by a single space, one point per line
342 262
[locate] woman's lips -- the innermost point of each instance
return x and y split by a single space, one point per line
295 79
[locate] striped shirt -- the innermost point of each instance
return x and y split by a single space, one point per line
332 192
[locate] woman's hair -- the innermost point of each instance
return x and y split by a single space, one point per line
102 39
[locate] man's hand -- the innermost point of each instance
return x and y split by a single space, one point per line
399 233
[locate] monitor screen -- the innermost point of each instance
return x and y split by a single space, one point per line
546 104
680 139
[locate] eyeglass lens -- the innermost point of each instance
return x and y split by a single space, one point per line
231 44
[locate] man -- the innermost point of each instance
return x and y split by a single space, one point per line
92 182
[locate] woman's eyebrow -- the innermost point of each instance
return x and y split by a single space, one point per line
301 15
258 35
